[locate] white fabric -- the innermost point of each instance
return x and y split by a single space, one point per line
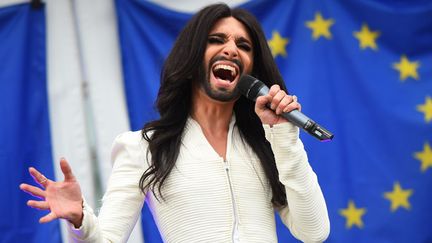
198 205
190 6
306 216
66 107
101 57
6 3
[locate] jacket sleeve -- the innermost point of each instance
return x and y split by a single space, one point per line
123 199
306 213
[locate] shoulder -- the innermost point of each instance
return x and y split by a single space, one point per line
130 145
131 139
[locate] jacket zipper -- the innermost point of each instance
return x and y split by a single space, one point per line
235 233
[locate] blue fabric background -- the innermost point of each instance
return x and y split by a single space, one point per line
355 93
24 123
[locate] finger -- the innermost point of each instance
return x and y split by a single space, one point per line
277 99
283 104
261 102
48 218
274 89
42 205
292 106
32 190
38 177
66 169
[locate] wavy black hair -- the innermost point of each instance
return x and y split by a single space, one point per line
185 64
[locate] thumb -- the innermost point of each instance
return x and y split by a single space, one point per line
260 103
66 169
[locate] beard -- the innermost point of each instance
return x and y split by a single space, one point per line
219 94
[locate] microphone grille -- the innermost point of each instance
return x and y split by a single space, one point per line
245 83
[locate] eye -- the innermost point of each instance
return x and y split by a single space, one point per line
215 40
245 46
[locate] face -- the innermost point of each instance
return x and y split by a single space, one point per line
229 53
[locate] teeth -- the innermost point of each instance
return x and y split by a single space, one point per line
226 67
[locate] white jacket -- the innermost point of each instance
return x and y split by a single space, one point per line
208 199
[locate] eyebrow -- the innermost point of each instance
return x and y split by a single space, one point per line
238 39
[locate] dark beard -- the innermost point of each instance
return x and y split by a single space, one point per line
219 94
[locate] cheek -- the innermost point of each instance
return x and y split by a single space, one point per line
206 60
208 55
248 63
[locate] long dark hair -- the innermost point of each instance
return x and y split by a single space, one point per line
183 65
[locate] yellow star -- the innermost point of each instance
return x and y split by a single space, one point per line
406 68
277 44
398 197
320 27
367 38
353 215
426 108
425 157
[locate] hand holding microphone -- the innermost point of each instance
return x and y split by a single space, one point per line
282 106
270 107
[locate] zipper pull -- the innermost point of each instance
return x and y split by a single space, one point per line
226 166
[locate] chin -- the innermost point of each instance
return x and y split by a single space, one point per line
221 95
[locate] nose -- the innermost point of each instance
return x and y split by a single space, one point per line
230 49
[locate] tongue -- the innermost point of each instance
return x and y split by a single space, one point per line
223 74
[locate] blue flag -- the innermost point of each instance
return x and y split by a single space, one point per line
24 124
361 69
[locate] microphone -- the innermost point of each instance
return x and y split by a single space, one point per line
251 87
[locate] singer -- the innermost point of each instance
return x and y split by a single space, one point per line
215 166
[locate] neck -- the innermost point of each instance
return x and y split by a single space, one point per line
212 115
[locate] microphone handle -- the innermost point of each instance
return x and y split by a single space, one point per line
297 118
310 126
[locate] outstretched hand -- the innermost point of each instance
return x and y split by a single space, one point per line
63 199
269 107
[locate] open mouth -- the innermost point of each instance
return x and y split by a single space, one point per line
225 72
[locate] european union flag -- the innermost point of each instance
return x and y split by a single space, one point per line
363 70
